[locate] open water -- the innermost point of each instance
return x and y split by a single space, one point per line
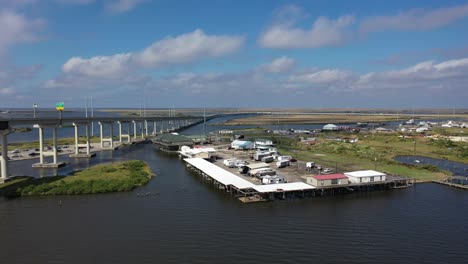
187 220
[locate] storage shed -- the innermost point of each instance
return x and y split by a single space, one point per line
365 176
327 180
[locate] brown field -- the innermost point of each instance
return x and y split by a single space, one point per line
312 119
272 119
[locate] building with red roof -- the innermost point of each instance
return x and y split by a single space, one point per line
326 180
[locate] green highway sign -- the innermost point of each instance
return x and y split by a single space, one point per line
60 106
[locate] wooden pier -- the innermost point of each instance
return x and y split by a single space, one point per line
460 186
248 192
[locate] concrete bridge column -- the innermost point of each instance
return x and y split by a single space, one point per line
154 128
134 130
41 145
54 143
142 130
161 130
109 139
128 132
120 131
4 157
53 152
88 143
111 135
101 134
76 138
146 127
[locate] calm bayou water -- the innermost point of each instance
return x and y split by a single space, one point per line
457 168
189 221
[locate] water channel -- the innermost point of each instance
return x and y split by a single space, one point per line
189 221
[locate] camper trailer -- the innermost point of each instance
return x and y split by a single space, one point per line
281 158
273 179
258 173
259 155
282 163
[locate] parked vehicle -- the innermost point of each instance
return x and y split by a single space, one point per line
259 155
327 170
240 163
229 163
268 159
288 158
310 165
282 164
274 179
262 172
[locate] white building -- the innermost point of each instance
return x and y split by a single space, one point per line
365 176
330 127
240 144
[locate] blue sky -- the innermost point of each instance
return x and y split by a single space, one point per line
397 54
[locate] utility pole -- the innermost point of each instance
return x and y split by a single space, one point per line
34 110
204 122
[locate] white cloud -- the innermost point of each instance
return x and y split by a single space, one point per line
326 76
185 48
324 32
100 66
75 2
424 78
16 28
281 64
121 6
7 91
415 19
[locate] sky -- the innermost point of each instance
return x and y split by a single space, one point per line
230 53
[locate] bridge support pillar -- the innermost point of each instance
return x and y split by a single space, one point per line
41 145
86 145
142 129
110 139
146 127
134 130
52 152
154 128
121 135
4 172
54 145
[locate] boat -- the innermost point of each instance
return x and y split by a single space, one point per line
410 122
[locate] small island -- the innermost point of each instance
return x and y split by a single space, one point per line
103 178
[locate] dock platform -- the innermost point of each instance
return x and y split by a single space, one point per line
249 192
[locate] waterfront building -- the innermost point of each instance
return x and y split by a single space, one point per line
172 141
365 176
327 180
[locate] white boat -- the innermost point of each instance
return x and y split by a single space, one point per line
410 122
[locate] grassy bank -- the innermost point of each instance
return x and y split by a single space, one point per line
115 177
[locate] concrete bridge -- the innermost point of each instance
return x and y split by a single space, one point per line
127 131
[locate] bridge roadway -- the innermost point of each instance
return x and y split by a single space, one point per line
170 123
